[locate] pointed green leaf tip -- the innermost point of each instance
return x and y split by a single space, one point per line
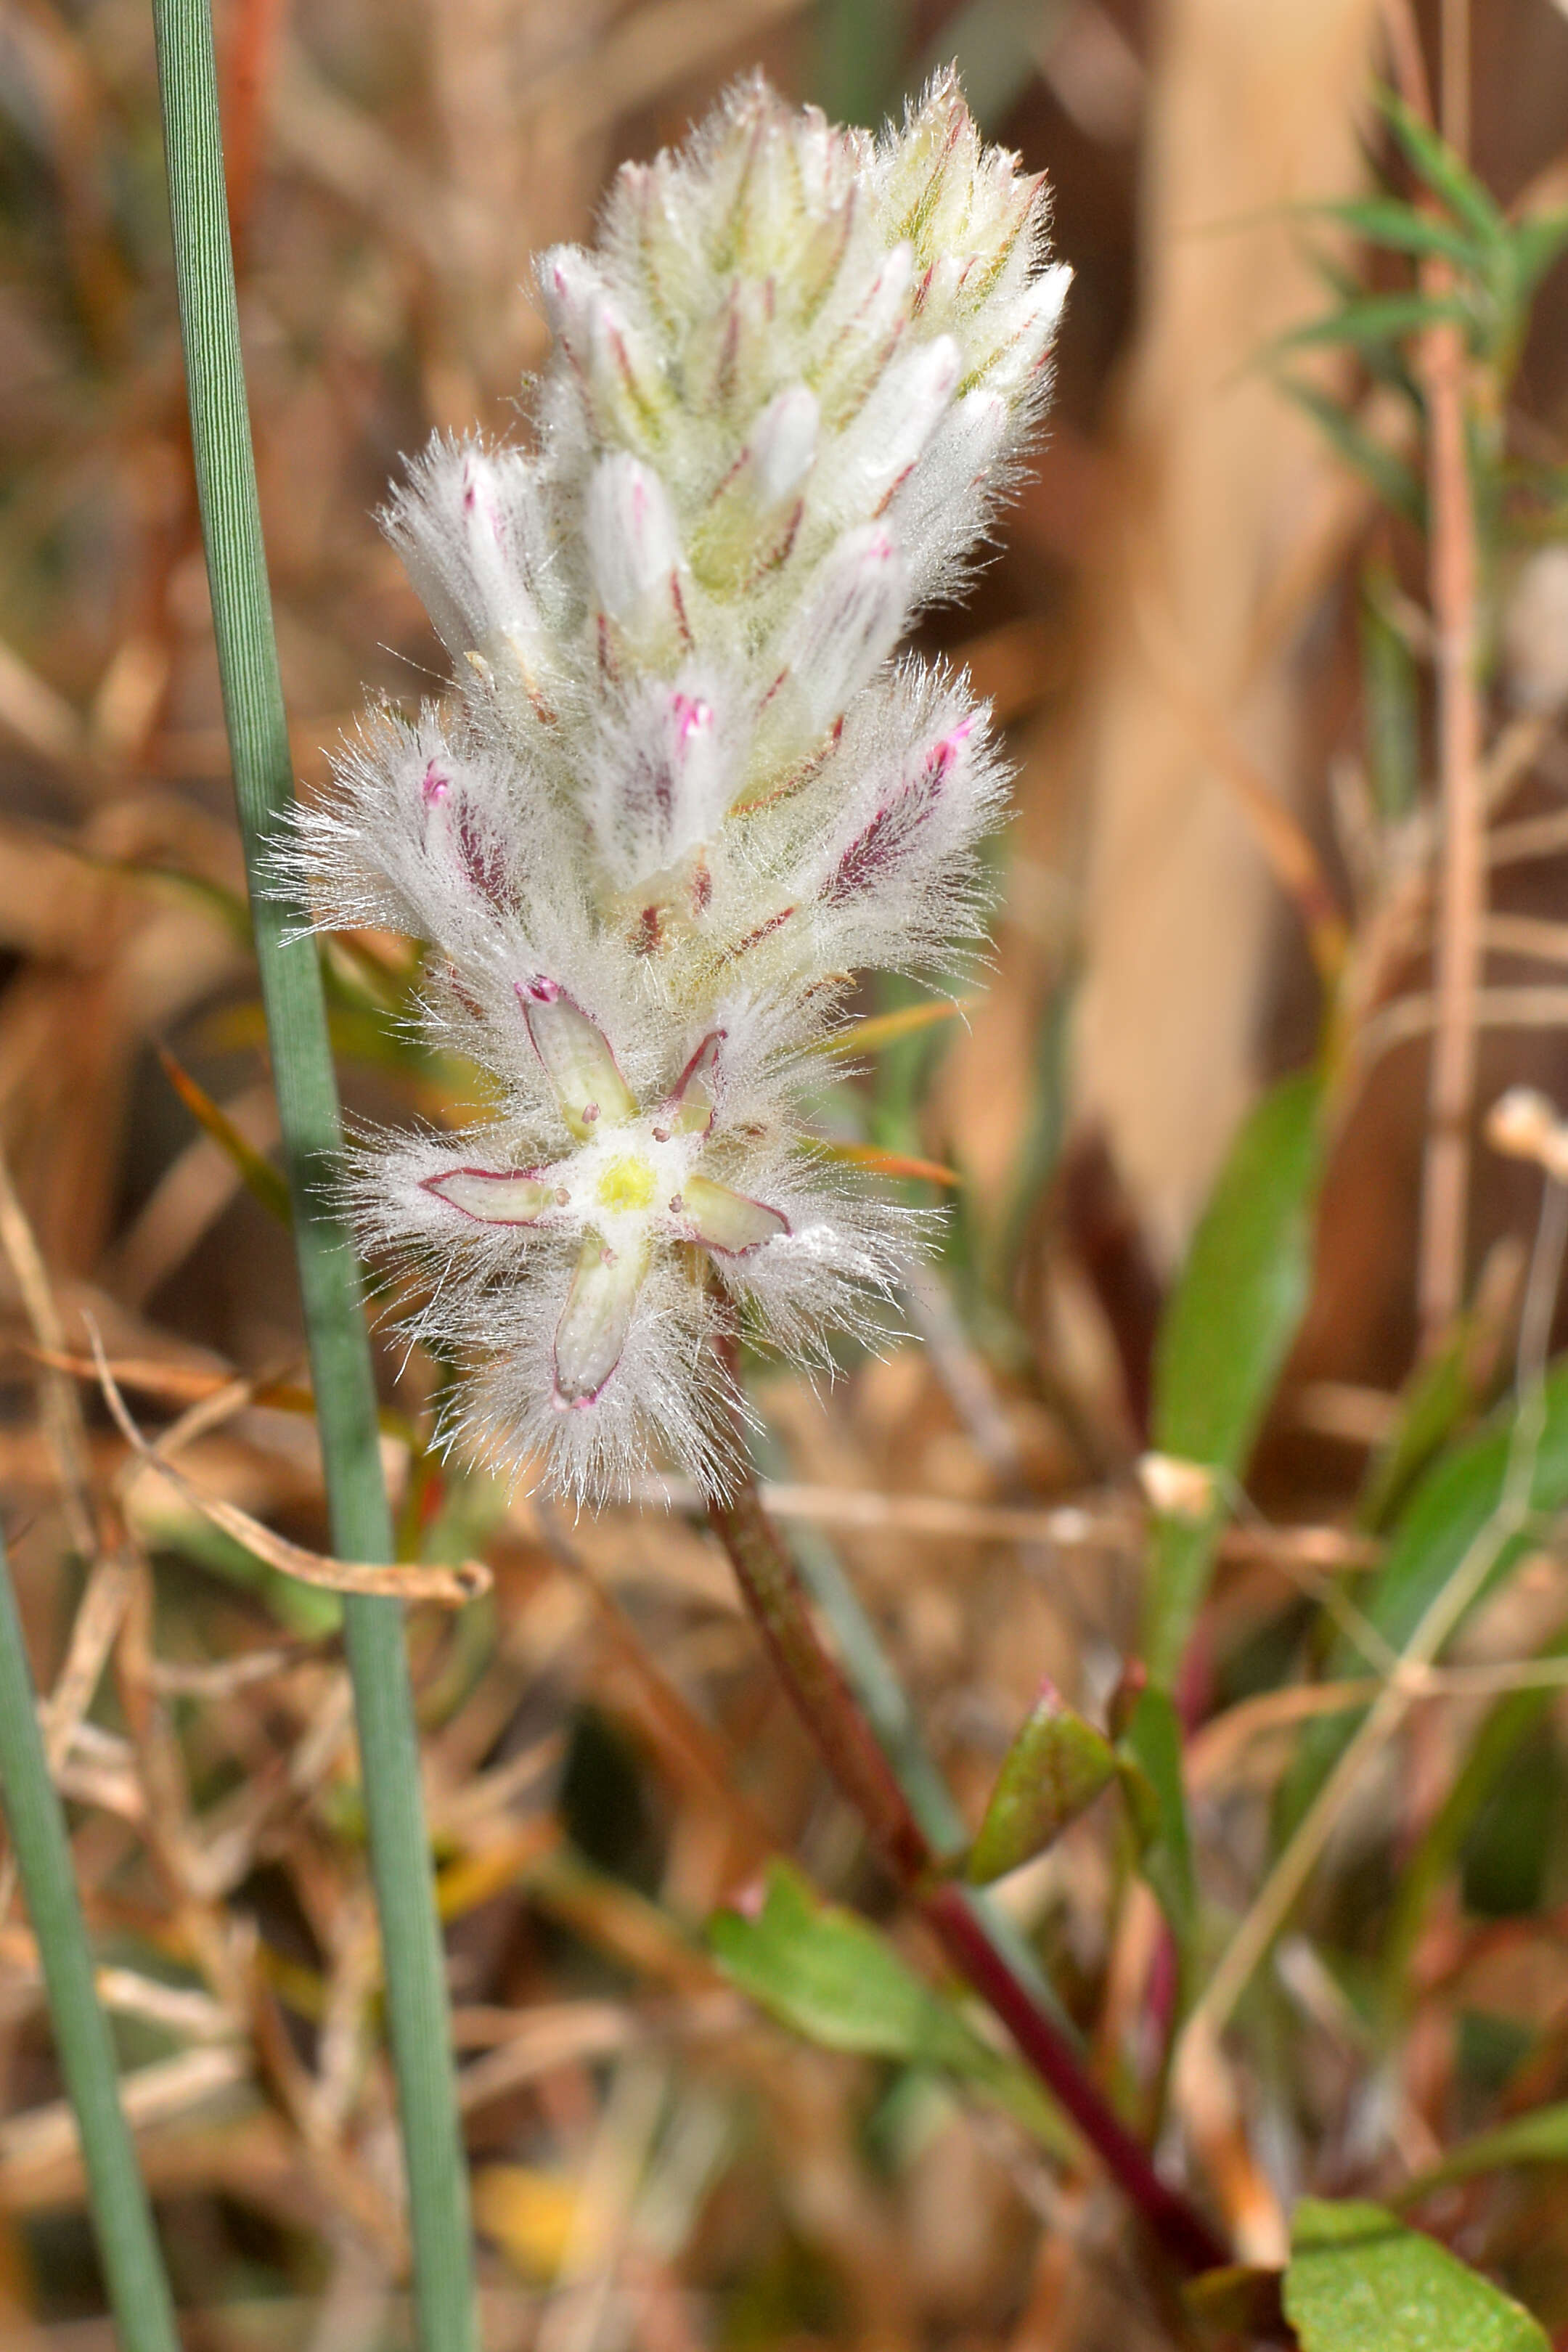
1538 2137
1359 2281
836 1980
1444 172
1054 1771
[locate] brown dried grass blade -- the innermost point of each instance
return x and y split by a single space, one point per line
900 1164
450 1588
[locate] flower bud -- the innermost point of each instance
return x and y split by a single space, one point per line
614 371
846 630
783 443
634 549
898 422
466 525
1028 331
662 774
936 507
752 521
457 838
868 339
878 855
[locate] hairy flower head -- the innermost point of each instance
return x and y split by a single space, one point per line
683 789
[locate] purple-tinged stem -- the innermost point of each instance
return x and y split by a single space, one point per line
1180 2228
777 1599
815 1682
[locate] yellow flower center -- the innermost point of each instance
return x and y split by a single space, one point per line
627 1184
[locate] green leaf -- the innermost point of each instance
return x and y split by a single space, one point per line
1391 682
1054 1771
1435 1399
1539 2137
1435 161
302 1610
1534 244
1359 2281
832 1977
1224 1337
1374 320
1384 220
1443 1518
1489 1752
1150 1754
1395 483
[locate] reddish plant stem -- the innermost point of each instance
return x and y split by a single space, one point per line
1452 564
1463 893
815 1682
1186 2237
774 1591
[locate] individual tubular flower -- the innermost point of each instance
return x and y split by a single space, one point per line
684 789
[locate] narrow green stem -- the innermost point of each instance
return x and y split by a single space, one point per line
132 2266
312 1139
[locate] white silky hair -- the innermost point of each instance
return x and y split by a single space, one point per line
683 788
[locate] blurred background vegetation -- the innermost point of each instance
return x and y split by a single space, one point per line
1215 630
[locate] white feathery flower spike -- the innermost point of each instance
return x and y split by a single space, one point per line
683 789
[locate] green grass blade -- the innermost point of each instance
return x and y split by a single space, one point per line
132 2266
1396 484
1374 320
1157 1800
1384 220
1538 2137
1391 688
1444 172
1533 246
1448 1509
1224 1340
861 59
1423 1871
311 1128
